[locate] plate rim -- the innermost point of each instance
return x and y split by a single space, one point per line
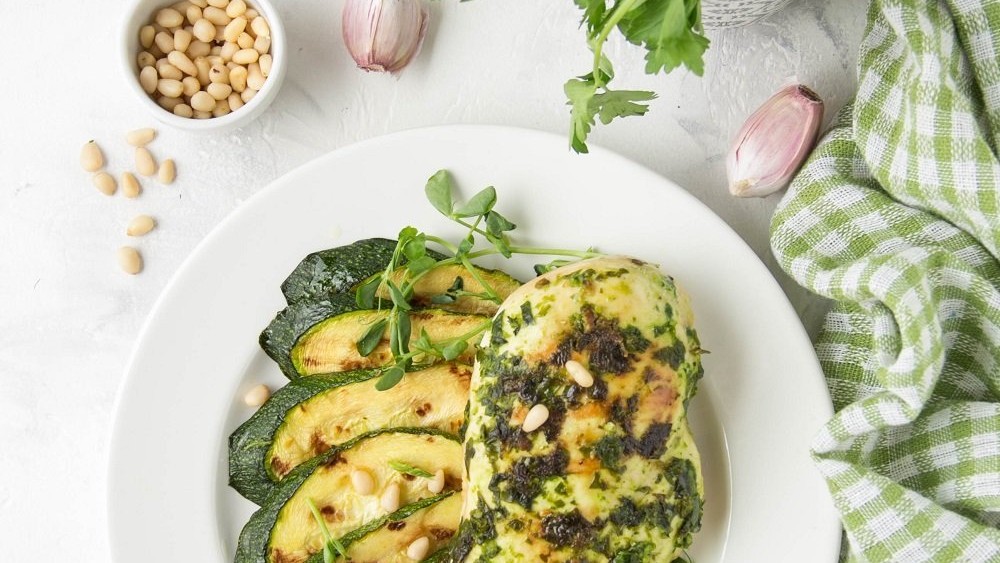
130 376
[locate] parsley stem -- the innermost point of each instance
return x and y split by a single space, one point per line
609 26
440 241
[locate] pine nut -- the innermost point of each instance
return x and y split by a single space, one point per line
140 137
245 56
221 108
164 41
156 52
218 3
248 95
204 67
235 28
199 3
262 45
260 27
146 35
219 91
168 172
203 114
204 30
183 63
235 101
579 373
265 63
169 103
250 14
390 498
193 14
228 50
535 418
238 78
257 396
170 88
130 186
183 110
255 76
203 101
245 41
216 16
169 71
362 482
148 78
216 51
169 17
129 260
219 74
191 85
417 550
91 157
198 49
220 33
145 59
236 8
144 163
182 40
105 183
436 484
140 225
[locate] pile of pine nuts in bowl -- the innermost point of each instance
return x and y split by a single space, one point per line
204 64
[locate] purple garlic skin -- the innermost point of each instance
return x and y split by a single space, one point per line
774 142
384 35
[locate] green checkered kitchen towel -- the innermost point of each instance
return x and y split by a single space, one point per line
896 217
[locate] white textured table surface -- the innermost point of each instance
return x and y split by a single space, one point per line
68 316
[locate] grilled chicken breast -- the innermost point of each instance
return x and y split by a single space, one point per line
607 347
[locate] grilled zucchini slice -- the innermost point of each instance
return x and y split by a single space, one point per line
388 543
437 281
311 414
309 338
613 473
284 530
326 273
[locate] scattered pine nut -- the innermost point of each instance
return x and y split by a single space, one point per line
140 225
362 482
105 183
418 549
91 157
580 374
168 172
140 137
130 185
257 396
144 163
390 498
436 484
129 260
535 418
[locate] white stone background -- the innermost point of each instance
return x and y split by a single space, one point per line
69 317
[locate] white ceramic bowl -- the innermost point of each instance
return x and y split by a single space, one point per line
716 14
142 12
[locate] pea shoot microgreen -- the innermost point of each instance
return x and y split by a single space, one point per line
393 288
331 543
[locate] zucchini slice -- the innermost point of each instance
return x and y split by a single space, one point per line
438 280
387 542
311 414
284 530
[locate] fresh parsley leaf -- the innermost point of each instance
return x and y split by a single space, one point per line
497 224
390 378
420 265
438 190
480 204
407 469
398 297
365 295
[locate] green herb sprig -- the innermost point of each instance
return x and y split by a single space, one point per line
331 544
484 223
670 31
408 469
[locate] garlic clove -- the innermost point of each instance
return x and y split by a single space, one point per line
774 142
384 35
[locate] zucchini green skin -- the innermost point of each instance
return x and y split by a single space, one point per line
249 444
326 273
278 339
253 542
613 473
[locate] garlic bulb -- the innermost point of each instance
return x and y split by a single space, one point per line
384 35
774 142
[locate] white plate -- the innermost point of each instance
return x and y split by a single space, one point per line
761 401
